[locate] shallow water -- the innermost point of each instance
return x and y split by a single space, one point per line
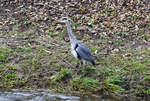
17 95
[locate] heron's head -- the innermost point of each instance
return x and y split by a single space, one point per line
64 19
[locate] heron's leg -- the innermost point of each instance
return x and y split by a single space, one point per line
84 63
81 63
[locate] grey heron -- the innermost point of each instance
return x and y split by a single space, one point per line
78 49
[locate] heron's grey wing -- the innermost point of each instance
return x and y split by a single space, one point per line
84 52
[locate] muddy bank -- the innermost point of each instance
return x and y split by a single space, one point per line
35 49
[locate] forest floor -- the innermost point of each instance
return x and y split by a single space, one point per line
35 49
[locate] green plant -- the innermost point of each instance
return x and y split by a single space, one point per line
29 31
89 83
50 18
4 51
75 83
147 77
137 66
14 22
104 13
65 72
76 24
89 71
9 77
148 91
105 72
12 67
91 20
35 63
114 80
93 48
62 75
113 84
144 36
27 22
118 42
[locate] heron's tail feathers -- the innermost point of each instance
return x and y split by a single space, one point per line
93 62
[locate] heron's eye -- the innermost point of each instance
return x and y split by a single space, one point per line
64 19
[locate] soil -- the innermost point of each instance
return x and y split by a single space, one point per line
35 49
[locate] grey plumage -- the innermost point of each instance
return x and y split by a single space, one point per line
78 49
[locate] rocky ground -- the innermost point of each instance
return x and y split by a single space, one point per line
35 50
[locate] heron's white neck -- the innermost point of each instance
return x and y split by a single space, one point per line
71 36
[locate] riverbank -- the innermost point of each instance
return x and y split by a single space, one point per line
35 49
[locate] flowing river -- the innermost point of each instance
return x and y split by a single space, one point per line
17 95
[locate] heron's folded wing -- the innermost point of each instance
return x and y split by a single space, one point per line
83 52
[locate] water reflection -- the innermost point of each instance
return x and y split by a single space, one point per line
16 95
